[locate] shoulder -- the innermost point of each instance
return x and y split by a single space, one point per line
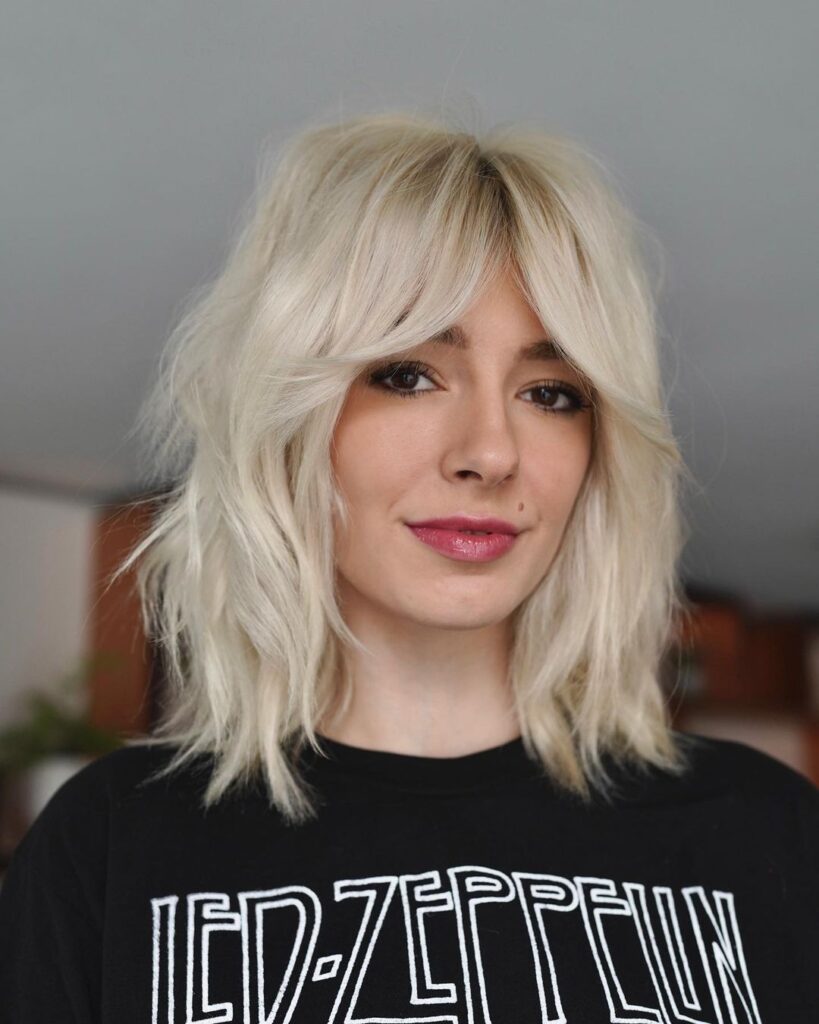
108 779
741 778
65 854
753 782
75 823
730 764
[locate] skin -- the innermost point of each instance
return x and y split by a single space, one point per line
476 441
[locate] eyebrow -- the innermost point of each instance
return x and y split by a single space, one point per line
543 349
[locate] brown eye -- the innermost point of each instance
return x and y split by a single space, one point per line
400 374
399 379
556 390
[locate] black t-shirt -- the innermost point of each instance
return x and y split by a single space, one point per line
467 889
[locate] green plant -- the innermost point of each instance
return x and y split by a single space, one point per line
52 726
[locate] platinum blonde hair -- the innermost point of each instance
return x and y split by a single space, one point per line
364 239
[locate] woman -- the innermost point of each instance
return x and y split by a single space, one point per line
414 579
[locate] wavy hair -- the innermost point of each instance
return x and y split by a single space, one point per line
361 240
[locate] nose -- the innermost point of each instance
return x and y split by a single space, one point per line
481 442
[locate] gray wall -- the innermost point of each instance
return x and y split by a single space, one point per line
130 135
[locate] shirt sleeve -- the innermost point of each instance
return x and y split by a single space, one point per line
51 915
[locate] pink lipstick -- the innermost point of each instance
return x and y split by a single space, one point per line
467 538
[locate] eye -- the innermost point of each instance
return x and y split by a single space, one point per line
387 376
556 390
400 371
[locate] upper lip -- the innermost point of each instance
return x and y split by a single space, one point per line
464 522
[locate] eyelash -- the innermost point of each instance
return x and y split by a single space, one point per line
379 376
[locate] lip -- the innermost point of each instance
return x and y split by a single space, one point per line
464 522
446 537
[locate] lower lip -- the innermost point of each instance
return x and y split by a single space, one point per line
465 547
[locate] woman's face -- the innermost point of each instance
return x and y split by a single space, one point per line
478 432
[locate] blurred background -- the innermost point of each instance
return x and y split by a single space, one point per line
131 135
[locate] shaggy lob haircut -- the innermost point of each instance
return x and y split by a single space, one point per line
367 238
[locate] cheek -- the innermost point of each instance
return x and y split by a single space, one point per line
556 473
374 459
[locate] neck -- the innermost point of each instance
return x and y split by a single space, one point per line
426 691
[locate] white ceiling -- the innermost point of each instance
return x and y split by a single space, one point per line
130 137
